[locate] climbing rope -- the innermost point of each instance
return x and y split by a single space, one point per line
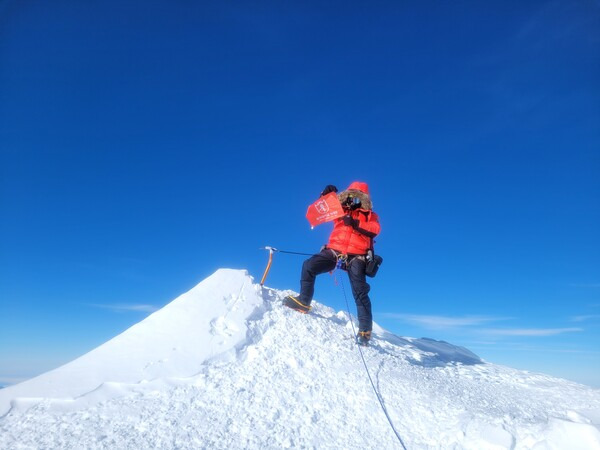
362 356
377 394
285 251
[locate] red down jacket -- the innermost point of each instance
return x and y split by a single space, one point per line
348 240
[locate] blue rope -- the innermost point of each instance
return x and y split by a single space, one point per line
377 394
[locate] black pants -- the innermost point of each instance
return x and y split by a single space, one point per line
326 262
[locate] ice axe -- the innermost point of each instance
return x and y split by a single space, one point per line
271 251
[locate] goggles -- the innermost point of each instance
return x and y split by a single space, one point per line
353 202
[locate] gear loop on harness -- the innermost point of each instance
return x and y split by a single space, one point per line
342 262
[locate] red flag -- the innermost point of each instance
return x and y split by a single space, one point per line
325 209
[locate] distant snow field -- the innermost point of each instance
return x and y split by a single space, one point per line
226 366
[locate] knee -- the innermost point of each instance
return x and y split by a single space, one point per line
307 270
364 298
361 287
361 291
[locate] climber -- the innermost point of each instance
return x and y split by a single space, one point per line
350 246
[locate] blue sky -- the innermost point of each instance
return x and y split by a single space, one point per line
142 147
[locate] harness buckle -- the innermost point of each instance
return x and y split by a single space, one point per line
342 261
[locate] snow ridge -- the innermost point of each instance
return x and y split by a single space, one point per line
227 366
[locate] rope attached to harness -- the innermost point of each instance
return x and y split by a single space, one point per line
362 356
342 261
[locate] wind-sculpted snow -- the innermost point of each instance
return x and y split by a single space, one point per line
227 366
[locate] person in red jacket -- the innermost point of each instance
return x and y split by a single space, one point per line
350 242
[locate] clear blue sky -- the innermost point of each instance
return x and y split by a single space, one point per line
143 145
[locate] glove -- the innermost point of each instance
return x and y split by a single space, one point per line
349 221
329 188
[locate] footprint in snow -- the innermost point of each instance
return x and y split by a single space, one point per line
222 327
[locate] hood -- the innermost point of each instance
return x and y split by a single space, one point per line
360 190
359 186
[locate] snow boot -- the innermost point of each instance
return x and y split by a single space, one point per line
363 338
294 303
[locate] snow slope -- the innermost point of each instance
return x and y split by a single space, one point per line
227 366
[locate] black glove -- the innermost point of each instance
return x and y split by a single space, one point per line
329 188
350 221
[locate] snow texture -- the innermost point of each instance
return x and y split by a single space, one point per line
227 366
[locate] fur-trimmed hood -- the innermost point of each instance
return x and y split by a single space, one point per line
365 199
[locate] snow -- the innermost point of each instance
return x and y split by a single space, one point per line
225 365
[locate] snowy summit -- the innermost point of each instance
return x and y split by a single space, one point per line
225 365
